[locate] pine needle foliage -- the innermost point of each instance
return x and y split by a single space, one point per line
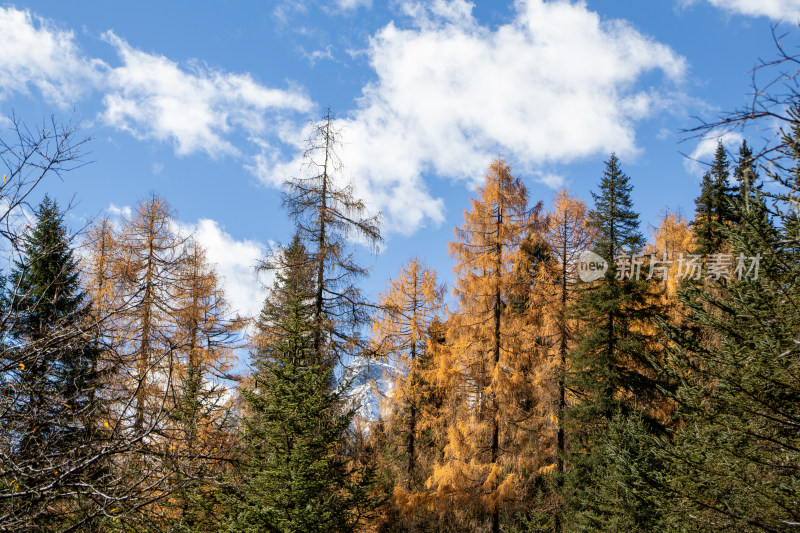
49 407
614 368
294 477
713 209
734 463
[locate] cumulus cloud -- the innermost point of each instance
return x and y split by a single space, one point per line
234 261
777 10
699 161
35 53
555 84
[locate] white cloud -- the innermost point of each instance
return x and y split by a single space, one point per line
196 108
285 9
235 262
554 85
700 159
120 212
153 97
288 13
316 55
353 4
554 181
37 54
778 10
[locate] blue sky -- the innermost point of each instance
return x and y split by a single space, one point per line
208 103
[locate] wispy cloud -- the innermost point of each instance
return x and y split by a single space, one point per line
285 10
777 10
195 107
120 212
353 4
316 55
554 85
37 54
699 161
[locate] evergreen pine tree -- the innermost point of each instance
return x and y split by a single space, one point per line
713 205
295 478
54 410
612 370
703 225
734 462
750 195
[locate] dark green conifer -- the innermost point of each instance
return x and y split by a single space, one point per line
713 209
48 313
734 463
613 364
295 477
612 371
54 406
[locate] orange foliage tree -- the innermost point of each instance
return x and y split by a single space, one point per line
166 336
407 310
672 238
567 235
492 356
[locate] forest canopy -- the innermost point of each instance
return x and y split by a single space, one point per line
576 376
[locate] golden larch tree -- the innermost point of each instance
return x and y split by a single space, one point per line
493 354
151 253
167 337
202 428
673 238
408 309
567 236
400 330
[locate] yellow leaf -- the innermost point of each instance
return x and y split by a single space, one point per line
172 448
22 366
4 177
105 424
547 469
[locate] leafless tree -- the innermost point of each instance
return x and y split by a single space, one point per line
329 219
132 452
